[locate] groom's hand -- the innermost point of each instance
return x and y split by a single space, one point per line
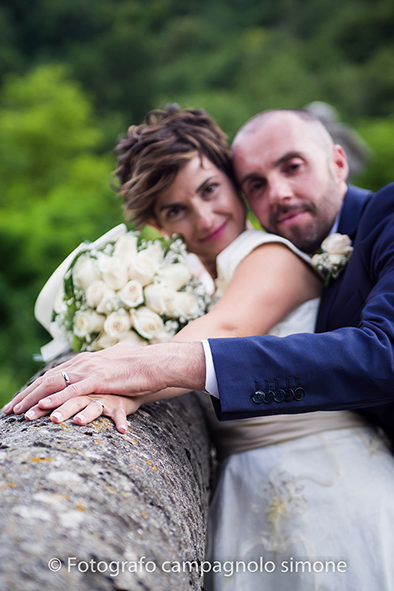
122 369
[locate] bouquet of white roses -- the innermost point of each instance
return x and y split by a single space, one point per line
127 290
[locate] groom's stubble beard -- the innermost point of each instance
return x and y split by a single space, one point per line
309 237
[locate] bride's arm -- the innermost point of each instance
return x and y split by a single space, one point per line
268 284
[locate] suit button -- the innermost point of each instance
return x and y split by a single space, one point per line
289 394
268 397
299 393
279 395
258 397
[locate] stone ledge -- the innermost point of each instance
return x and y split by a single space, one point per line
89 494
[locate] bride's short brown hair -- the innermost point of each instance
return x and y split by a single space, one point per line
151 154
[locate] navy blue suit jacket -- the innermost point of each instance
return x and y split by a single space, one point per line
349 362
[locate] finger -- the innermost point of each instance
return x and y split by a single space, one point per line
35 413
82 388
91 412
119 417
69 408
49 383
8 408
52 376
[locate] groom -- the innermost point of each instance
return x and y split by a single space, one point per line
294 179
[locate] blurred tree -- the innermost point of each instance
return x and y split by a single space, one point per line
54 193
378 134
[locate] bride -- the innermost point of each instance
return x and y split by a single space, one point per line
293 507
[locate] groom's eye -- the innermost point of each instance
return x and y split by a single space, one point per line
292 166
254 186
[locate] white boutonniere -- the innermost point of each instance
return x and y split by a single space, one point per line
333 256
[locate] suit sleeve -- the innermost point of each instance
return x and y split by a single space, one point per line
350 367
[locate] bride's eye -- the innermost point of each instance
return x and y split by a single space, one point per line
175 212
209 189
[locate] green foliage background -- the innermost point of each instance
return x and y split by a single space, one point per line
74 74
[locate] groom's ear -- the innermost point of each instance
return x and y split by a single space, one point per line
340 163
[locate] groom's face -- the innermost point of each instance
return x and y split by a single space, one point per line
293 177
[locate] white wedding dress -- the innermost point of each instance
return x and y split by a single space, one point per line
306 501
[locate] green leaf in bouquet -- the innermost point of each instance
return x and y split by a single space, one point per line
68 317
149 233
77 344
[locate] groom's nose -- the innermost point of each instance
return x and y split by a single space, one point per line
278 189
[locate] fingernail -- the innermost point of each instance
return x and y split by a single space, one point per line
57 417
18 407
7 407
123 429
30 415
78 419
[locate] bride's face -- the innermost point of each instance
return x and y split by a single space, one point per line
203 206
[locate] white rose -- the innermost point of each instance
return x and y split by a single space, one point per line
146 322
86 322
336 259
132 338
155 251
131 294
85 271
337 244
126 247
175 276
183 304
113 271
109 303
97 292
117 323
143 267
317 260
162 336
104 341
158 297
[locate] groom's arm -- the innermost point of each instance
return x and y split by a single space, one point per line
348 368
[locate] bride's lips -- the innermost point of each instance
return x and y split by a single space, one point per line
215 234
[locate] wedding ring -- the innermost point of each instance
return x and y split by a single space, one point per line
99 402
66 378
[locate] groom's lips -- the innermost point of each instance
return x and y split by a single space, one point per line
291 217
215 234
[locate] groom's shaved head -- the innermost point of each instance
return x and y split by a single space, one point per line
316 127
292 174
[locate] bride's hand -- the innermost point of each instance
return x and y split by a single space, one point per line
85 409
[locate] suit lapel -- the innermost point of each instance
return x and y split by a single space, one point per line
353 206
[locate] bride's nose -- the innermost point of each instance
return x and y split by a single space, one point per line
204 217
